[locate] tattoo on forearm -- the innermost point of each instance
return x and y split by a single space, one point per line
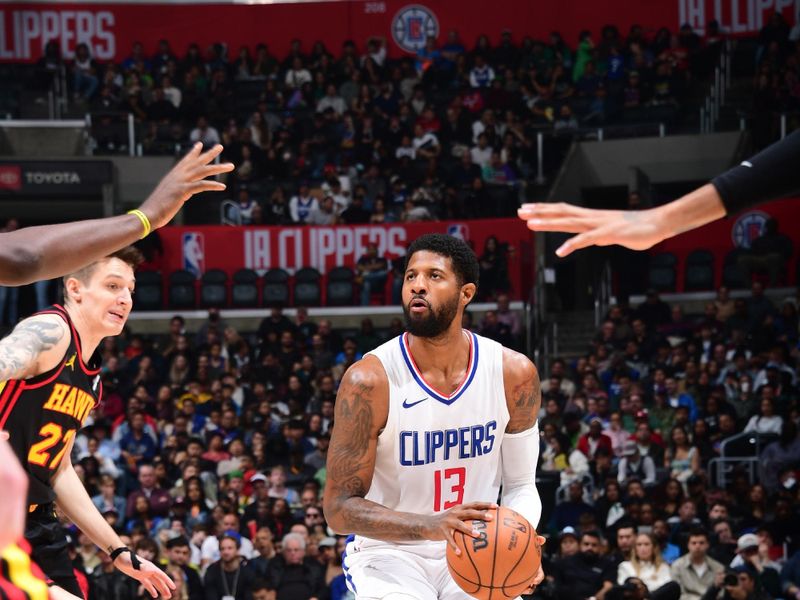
24 345
526 405
373 520
353 424
349 469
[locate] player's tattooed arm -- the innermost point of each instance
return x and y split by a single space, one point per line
523 391
21 352
362 407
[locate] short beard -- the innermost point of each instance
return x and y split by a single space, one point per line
435 323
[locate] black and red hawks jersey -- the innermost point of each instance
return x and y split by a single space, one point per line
42 414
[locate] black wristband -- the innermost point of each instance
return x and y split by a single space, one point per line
134 559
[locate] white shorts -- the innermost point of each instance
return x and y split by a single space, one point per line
375 573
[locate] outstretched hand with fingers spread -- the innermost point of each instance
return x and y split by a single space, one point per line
187 178
637 230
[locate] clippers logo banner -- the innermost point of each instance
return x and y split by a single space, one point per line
198 249
111 28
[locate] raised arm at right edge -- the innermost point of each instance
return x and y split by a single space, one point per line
362 408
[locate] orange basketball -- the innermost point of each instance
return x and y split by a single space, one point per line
499 564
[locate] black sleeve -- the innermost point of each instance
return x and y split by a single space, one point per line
772 173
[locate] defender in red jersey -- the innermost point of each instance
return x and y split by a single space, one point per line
49 373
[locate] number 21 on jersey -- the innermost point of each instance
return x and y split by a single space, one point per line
451 483
51 433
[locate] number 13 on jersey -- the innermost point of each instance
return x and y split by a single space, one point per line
451 481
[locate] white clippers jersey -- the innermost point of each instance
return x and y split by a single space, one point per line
439 451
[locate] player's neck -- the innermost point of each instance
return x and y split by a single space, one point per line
88 340
442 352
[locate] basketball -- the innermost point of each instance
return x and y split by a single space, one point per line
502 562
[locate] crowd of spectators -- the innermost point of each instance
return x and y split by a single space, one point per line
629 430
446 133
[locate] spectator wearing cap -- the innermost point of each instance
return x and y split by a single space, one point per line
586 574
695 571
107 499
178 555
752 553
326 548
158 500
334 573
210 550
228 578
568 543
634 465
594 439
294 575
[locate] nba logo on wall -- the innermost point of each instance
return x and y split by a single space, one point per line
412 25
459 230
194 253
748 228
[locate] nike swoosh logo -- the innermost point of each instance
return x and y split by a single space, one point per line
407 404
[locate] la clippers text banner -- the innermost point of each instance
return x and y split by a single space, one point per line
110 29
54 178
199 249
738 231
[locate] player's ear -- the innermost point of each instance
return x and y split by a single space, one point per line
468 291
72 290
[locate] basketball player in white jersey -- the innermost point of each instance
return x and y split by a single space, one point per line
427 427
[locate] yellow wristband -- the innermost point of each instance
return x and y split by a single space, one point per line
145 221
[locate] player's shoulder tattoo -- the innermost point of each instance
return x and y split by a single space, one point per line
523 391
20 350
